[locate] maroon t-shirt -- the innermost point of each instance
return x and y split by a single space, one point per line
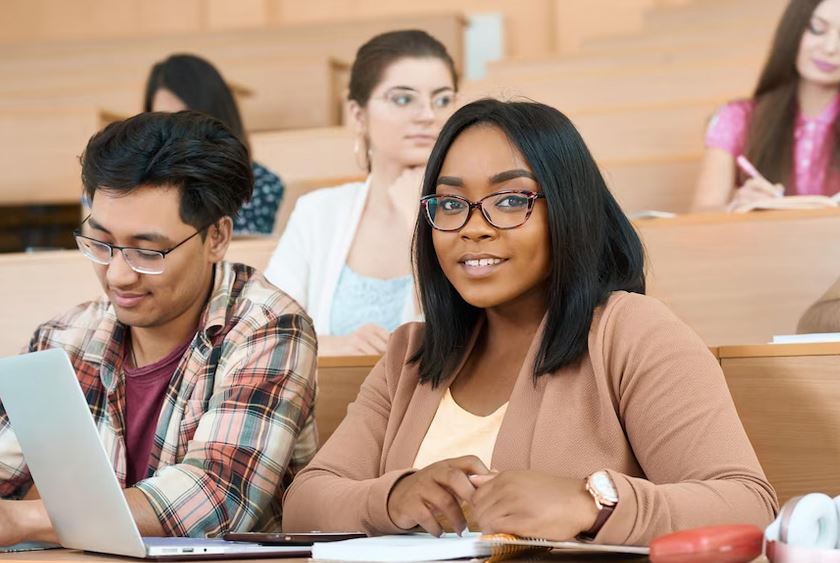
145 389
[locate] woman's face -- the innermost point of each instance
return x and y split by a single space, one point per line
488 266
819 50
164 100
406 111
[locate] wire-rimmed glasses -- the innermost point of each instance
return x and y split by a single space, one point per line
141 260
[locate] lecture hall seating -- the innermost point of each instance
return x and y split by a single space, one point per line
742 277
291 76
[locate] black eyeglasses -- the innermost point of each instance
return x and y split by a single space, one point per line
141 260
503 210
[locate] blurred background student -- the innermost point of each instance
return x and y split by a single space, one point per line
189 82
345 253
788 129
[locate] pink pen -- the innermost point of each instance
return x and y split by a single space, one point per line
748 167
751 171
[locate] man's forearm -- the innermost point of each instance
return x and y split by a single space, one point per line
35 521
144 515
28 520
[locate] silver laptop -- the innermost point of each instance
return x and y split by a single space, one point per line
53 423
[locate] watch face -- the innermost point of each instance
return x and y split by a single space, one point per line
604 486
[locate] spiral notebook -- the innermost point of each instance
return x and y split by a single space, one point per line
424 547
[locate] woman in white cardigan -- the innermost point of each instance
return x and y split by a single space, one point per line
345 253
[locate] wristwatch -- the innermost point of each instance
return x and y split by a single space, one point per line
600 485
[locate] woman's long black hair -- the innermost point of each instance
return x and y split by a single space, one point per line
595 249
197 83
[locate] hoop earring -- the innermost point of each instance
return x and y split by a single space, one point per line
357 150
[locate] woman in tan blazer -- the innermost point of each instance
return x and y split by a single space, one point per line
545 395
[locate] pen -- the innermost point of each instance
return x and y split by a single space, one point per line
751 171
748 168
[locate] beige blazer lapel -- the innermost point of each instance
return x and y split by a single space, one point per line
516 435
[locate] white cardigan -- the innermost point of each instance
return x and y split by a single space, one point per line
314 247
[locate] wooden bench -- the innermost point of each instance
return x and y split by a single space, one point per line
319 39
537 27
787 397
676 40
584 92
339 380
662 184
513 69
705 14
277 92
43 141
40 155
629 134
742 278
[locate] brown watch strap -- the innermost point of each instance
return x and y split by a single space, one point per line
603 514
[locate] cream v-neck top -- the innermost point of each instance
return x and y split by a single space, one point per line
457 432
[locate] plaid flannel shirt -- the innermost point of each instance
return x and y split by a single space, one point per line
237 421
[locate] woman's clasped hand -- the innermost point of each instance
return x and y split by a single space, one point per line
462 494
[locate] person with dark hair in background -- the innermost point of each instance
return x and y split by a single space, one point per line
545 395
344 254
189 82
789 128
199 373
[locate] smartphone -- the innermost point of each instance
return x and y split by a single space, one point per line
281 538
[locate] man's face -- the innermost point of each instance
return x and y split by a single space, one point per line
148 218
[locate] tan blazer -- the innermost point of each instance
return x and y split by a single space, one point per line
648 402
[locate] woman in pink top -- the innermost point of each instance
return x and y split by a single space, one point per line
788 129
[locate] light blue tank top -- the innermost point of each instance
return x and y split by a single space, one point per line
359 300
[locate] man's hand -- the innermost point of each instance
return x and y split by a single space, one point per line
25 520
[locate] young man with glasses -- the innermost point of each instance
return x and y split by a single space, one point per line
199 373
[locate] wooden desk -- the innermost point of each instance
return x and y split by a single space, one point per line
55 555
742 278
787 396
